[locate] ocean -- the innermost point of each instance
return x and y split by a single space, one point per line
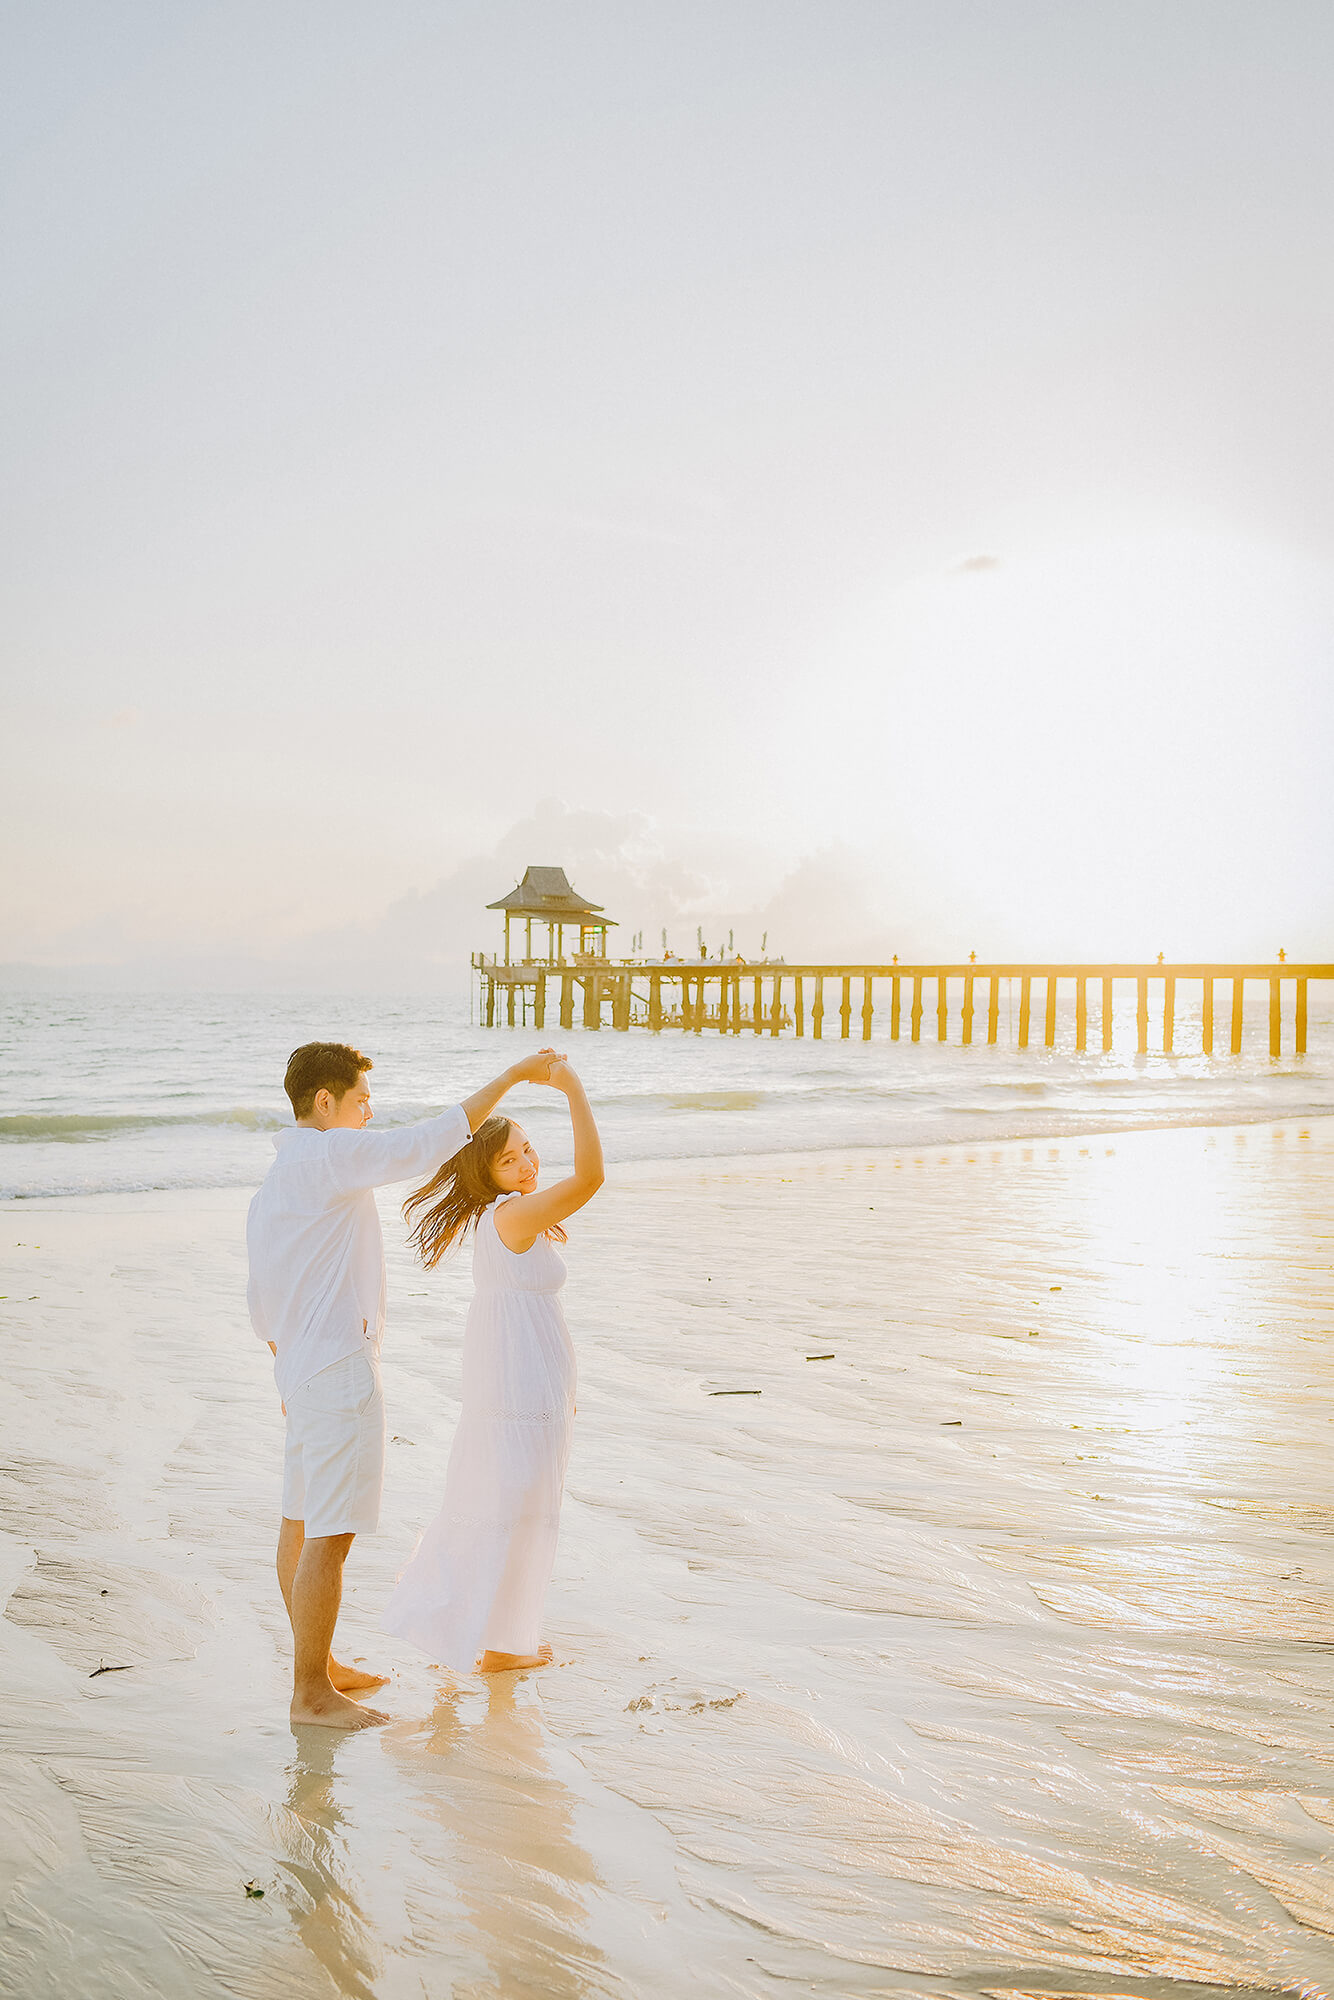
119 1092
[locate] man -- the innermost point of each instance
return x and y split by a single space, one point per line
317 1296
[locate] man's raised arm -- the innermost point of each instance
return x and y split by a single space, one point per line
376 1159
535 1069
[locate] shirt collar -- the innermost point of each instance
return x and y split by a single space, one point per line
295 1135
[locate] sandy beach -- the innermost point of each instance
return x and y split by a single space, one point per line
987 1648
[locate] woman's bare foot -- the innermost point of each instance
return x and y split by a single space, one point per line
510 1663
351 1680
327 1709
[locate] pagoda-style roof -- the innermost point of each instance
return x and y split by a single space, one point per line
546 892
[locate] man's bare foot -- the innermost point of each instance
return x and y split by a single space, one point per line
327 1709
511 1663
351 1680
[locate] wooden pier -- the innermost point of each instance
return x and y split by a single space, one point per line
726 996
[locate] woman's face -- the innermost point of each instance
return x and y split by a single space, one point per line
515 1167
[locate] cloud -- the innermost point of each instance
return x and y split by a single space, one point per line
620 860
833 903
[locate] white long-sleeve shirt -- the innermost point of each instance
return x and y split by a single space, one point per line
317 1274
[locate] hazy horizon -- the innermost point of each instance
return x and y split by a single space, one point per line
855 471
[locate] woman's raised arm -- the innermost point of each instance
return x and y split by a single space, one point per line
520 1223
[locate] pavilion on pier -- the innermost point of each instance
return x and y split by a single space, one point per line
545 896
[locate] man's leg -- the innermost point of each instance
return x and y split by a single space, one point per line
291 1541
316 1593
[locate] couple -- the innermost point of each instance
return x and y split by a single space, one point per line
473 1593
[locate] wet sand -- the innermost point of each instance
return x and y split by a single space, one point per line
990 1655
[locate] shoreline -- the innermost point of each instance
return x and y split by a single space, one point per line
761 1163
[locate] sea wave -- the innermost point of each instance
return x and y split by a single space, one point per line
75 1125
839 1096
716 1100
788 1090
38 1126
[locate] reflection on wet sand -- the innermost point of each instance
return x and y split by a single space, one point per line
318 1869
497 1882
521 1877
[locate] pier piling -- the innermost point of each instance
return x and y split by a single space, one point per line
1169 1012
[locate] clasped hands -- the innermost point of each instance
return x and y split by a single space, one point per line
545 1067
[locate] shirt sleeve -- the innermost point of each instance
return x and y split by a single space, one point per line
374 1159
256 1305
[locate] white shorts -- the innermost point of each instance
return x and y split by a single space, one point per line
333 1470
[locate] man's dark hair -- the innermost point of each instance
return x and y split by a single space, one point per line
317 1066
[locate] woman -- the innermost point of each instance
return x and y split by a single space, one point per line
472 1595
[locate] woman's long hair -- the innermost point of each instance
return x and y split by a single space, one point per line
449 1205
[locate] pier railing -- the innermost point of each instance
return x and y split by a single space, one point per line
728 996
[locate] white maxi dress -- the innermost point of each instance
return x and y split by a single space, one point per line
478 1578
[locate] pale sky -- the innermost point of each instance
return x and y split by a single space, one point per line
866 467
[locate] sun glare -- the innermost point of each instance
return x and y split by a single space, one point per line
1153 1241
1109 747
